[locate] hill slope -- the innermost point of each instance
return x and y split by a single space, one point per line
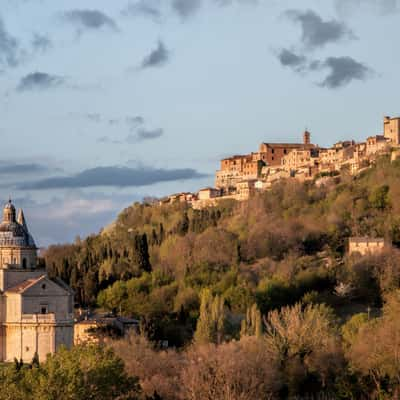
279 247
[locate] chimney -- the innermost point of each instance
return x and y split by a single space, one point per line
306 137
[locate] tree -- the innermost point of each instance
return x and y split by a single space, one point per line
183 225
379 198
141 249
243 370
91 286
158 371
83 373
375 350
252 324
352 327
211 323
306 343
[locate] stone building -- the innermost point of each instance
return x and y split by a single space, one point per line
249 167
333 158
391 130
272 153
301 158
241 176
366 246
246 189
235 169
208 193
376 144
36 314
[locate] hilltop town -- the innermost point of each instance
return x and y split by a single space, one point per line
241 176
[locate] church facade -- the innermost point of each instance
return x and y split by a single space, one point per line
36 313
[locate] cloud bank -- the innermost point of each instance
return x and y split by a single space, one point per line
9 48
343 70
315 32
146 8
144 135
89 20
39 81
186 8
157 57
23 169
288 58
113 177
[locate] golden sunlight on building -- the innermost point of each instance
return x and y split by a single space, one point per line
36 313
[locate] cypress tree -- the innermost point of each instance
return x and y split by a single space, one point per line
141 253
252 324
211 323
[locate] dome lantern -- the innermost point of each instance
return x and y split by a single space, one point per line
9 212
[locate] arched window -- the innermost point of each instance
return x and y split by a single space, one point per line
24 263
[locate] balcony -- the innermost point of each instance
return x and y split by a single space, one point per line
45 318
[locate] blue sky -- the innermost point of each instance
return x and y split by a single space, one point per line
103 103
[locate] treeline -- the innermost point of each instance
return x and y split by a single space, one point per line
100 260
281 247
297 352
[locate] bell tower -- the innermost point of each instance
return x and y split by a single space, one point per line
306 137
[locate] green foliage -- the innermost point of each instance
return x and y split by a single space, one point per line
239 298
379 197
307 345
212 319
283 246
252 325
352 327
83 373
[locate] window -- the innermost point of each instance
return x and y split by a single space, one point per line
24 263
284 151
44 286
43 310
272 151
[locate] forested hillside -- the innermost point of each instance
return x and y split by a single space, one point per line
258 299
281 246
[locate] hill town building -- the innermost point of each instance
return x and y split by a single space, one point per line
391 130
36 314
241 176
366 246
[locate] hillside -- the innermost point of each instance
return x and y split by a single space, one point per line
282 246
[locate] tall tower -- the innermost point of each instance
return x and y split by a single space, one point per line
391 130
306 137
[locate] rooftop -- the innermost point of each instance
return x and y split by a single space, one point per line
366 240
21 287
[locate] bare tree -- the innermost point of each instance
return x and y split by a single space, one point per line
242 370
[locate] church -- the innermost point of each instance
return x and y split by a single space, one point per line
36 314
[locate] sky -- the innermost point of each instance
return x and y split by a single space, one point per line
103 103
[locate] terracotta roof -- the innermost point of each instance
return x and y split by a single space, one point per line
294 145
21 287
208 188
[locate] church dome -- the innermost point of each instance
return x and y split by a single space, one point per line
9 206
13 232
